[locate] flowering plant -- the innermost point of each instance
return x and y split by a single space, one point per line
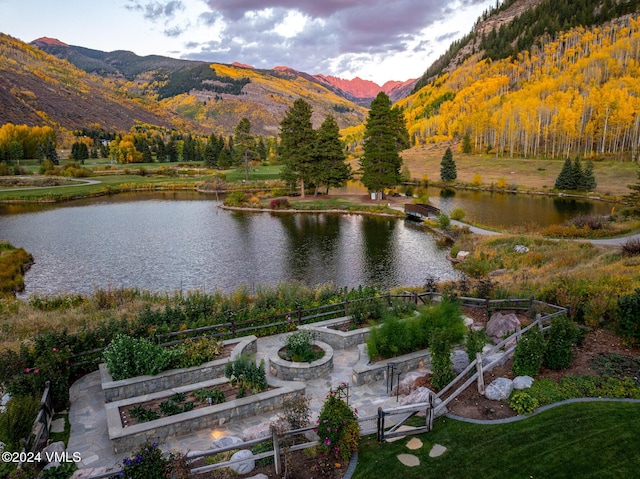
338 427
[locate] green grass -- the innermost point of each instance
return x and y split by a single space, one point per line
64 435
256 173
585 440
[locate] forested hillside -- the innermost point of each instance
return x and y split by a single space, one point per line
577 93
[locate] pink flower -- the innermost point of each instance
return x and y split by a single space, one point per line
54 349
36 371
27 370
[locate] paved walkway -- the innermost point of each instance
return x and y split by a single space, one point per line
87 415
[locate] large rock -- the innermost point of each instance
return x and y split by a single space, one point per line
499 389
258 431
522 382
407 383
244 467
501 325
226 441
420 395
460 360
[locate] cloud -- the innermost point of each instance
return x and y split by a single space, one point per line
155 10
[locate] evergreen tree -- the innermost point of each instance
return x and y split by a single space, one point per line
172 150
161 153
634 196
329 166
576 173
385 135
212 151
448 171
467 147
564 181
188 150
244 144
297 139
50 152
588 177
224 159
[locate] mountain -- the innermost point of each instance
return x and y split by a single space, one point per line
39 89
557 79
215 96
364 91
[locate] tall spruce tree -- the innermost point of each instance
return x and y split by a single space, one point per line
565 180
385 135
329 166
588 177
244 144
297 139
448 171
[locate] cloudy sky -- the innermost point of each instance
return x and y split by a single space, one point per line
376 40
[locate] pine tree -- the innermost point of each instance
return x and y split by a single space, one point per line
244 144
588 177
448 171
385 136
297 139
564 181
577 175
329 166
467 147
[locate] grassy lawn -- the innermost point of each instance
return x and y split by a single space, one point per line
256 173
536 174
585 440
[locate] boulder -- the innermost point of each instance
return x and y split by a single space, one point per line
460 361
520 248
499 389
407 383
501 325
522 382
418 395
258 431
244 467
462 255
226 441
500 357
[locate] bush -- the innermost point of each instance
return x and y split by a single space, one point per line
338 428
195 353
631 247
246 374
474 342
128 357
443 221
147 463
592 222
458 214
629 317
237 198
279 204
362 312
522 402
299 347
441 362
529 354
562 337
16 421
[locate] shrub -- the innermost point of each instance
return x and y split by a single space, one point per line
338 428
443 221
631 247
279 204
562 337
216 395
128 357
17 419
362 312
195 353
592 222
246 374
629 317
143 414
299 347
147 463
474 342
441 363
529 354
522 402
457 214
237 198
64 471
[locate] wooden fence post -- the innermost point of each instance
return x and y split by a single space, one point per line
277 461
480 373
299 312
380 425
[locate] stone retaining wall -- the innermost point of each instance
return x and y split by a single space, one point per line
173 378
364 373
124 439
294 371
335 338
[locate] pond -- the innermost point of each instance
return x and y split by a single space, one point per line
183 241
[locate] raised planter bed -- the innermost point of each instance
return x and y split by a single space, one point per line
364 372
173 378
298 371
327 332
125 438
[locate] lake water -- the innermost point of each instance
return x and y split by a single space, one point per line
183 241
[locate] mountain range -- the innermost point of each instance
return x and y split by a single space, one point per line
72 87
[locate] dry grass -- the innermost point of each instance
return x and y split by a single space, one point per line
528 174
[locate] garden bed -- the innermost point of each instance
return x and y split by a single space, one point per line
174 378
300 371
337 333
126 437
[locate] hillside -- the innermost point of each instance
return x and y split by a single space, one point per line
364 91
573 93
214 96
38 89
